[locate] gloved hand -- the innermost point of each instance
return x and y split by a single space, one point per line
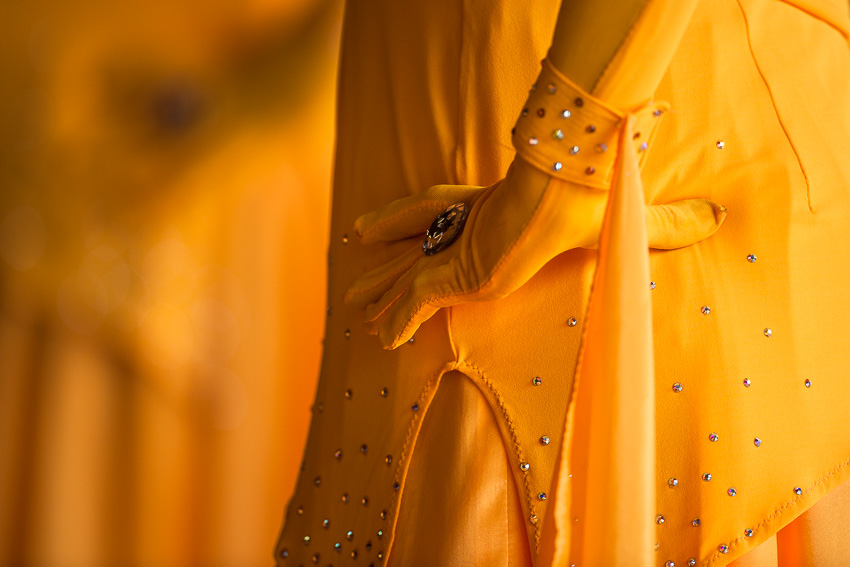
513 229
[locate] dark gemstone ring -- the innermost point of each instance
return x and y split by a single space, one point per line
445 229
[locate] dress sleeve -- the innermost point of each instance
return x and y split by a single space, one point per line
591 130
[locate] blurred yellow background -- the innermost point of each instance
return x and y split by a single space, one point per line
164 191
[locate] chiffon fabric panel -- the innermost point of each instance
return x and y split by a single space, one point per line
463 507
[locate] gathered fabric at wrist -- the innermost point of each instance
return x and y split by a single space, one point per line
572 135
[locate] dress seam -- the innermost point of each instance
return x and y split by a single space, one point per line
776 108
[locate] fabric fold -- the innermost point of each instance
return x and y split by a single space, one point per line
606 478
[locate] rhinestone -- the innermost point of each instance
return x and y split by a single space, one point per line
557 166
692 562
572 322
365 500
525 112
337 546
388 459
544 440
601 148
656 112
706 476
590 129
747 382
808 383
721 145
651 285
713 437
696 522
536 381
657 546
415 407
643 146
368 546
317 481
672 481
384 392
315 558
767 333
326 523
732 491
636 136
306 540
798 491
345 239
300 511
590 170
533 519
748 532
541 496
677 387
757 442
659 519
338 454
383 514
396 486
579 102
348 394
558 134
669 564
411 340
532 141
565 114
347 333
364 448
574 150
380 534
705 310
354 554
751 258
524 466
380 555
551 88
284 553
541 112
533 86
345 498
724 549
350 535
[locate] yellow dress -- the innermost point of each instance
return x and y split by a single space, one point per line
747 408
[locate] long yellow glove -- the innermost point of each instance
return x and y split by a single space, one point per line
517 225
513 229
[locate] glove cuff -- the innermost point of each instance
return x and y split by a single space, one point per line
569 134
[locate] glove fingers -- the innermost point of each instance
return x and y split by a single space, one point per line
682 223
374 312
430 291
410 216
369 288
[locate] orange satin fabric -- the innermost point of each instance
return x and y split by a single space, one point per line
474 497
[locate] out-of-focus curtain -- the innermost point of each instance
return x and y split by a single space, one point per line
164 189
